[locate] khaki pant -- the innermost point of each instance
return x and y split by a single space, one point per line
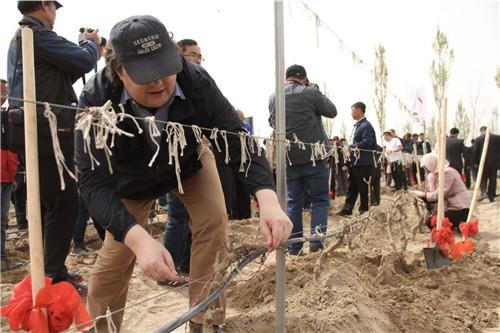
204 200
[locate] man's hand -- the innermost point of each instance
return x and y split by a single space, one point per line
153 259
417 193
94 35
274 223
344 168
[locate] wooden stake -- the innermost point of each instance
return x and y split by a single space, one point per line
32 177
479 174
441 163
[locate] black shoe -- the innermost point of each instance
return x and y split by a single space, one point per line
344 212
295 252
315 248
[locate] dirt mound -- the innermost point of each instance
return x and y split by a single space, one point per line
379 283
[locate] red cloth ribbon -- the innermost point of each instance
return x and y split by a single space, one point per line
443 237
470 228
62 301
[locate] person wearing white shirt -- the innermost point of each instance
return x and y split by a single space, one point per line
394 151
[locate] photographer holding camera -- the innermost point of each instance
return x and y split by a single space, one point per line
58 64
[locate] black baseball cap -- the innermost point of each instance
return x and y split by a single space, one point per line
143 46
296 71
26 6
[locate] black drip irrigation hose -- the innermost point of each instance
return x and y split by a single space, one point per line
217 292
245 261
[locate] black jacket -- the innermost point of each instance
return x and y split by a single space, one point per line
204 106
455 150
493 153
364 138
304 107
58 64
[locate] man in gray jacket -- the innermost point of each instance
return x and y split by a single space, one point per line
304 107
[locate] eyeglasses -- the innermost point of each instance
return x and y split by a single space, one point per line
194 56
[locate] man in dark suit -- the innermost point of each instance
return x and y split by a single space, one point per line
492 162
455 150
361 164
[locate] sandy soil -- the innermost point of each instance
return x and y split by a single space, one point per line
375 282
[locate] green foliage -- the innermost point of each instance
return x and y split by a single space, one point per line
380 81
441 66
462 121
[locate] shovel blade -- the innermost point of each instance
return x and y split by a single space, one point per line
434 258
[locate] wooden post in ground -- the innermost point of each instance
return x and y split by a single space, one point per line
441 163
477 185
32 177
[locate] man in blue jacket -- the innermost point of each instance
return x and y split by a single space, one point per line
148 77
304 107
58 64
362 161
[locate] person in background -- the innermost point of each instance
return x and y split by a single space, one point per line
455 150
457 198
8 173
361 163
342 170
191 50
377 175
58 64
241 201
468 165
304 107
491 165
426 145
79 248
394 150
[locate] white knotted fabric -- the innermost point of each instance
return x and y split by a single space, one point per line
176 140
58 154
223 134
154 132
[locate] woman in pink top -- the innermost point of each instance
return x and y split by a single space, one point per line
457 198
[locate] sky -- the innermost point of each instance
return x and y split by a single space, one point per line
237 41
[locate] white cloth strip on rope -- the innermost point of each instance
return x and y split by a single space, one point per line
102 122
213 136
176 140
198 134
223 134
58 154
154 132
245 153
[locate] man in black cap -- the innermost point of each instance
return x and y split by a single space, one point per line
148 77
304 107
58 63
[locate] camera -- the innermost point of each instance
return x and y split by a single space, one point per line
81 36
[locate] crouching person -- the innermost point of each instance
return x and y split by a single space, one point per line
457 198
148 77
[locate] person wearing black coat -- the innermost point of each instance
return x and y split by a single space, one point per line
492 162
455 150
361 164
